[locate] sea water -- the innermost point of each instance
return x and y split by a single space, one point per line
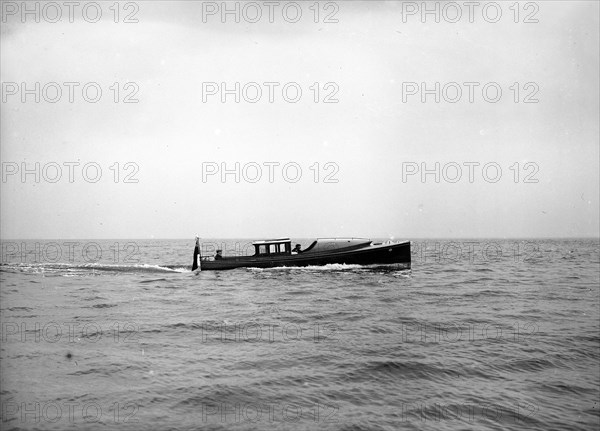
120 334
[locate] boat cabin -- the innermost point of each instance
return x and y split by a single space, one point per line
270 247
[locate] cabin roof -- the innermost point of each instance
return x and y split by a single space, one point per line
272 241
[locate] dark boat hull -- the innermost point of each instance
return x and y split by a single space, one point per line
387 254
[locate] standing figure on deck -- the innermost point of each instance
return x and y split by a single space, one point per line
218 255
297 249
197 256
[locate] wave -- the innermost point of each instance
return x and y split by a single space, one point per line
386 369
334 267
82 269
70 269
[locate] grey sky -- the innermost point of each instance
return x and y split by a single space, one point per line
367 55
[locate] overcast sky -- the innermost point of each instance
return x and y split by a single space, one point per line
374 138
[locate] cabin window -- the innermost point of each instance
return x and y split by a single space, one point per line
278 248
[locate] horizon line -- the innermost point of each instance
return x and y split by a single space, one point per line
310 237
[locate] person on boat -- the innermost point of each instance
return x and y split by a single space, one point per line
218 256
297 249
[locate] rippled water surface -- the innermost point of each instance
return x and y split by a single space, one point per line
488 335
